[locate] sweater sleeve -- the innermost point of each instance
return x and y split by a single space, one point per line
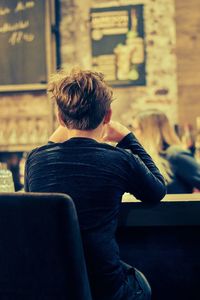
26 185
26 176
145 181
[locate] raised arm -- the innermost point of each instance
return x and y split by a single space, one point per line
145 181
59 135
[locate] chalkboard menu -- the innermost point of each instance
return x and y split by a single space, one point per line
118 47
23 44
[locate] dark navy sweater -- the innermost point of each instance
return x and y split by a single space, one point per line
96 175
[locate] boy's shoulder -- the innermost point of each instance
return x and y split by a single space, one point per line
40 149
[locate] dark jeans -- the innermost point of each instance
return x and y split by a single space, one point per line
136 286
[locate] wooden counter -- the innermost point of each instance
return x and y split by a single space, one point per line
173 210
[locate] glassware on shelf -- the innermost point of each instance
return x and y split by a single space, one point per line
6 179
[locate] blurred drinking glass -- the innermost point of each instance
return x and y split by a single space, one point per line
6 180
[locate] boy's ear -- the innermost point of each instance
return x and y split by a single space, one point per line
59 118
108 116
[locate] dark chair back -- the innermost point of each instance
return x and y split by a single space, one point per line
41 254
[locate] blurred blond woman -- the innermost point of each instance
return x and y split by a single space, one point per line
158 137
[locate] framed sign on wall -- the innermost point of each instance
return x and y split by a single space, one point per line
118 46
25 32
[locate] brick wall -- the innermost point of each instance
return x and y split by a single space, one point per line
161 88
22 113
188 58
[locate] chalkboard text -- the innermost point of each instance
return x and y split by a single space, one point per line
19 36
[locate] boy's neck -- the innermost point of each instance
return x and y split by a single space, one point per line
94 134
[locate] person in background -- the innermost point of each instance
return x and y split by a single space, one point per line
178 166
77 162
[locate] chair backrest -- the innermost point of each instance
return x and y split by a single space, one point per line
41 254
